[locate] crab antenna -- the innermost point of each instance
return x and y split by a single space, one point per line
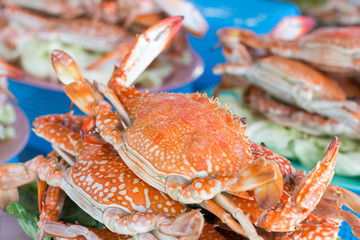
147 46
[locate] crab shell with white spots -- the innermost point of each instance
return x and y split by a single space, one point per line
331 49
186 135
100 179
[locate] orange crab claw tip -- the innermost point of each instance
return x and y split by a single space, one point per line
65 67
171 25
7 70
189 223
332 151
292 28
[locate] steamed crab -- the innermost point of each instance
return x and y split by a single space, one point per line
314 95
102 185
186 145
331 49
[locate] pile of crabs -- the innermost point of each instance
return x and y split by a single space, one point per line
138 168
98 32
308 81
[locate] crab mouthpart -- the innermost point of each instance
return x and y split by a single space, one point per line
89 132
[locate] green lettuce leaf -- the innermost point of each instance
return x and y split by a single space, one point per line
27 212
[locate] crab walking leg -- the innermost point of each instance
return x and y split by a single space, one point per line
51 208
74 231
238 214
83 94
55 129
224 216
331 202
118 221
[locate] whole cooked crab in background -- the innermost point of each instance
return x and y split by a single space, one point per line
187 146
30 30
330 49
290 99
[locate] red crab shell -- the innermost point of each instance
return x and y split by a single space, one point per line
185 134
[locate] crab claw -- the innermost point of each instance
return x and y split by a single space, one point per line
306 196
194 22
15 175
65 67
292 28
76 88
190 223
147 46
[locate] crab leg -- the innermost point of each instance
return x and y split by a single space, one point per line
278 85
57 128
314 227
147 46
238 214
306 196
120 222
331 202
51 208
224 216
290 116
72 231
